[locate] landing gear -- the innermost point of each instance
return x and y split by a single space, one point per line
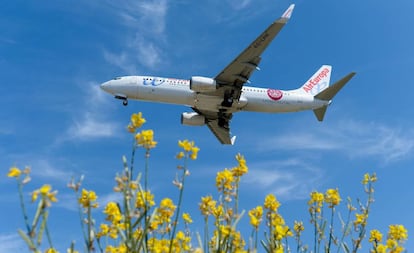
224 119
123 98
228 99
223 123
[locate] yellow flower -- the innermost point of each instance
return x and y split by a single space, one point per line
166 209
380 248
298 227
187 218
316 202
217 211
167 203
241 168
144 198
375 236
180 155
397 232
51 250
281 232
87 199
194 153
391 243
271 203
224 180
256 216
207 205
45 192
112 212
186 145
189 148
131 129
146 139
14 172
316 197
104 230
369 178
137 120
184 241
332 197
360 219
276 219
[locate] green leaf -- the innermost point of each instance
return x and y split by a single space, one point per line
42 228
28 241
345 247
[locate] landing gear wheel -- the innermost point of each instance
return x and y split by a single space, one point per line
125 102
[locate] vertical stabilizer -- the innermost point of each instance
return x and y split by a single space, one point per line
318 82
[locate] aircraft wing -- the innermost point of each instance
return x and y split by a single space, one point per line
222 134
218 124
232 78
237 73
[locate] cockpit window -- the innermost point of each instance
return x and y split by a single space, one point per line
117 78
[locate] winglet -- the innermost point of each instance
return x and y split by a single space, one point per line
233 140
288 12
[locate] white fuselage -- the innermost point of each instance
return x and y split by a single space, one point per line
177 91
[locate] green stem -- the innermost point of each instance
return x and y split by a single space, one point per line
177 215
206 234
23 207
147 155
345 229
315 230
81 220
236 204
368 205
90 248
132 160
331 230
47 230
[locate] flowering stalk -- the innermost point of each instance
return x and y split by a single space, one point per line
361 219
190 151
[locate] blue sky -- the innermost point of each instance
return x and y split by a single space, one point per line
55 118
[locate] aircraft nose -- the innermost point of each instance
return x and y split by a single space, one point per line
106 86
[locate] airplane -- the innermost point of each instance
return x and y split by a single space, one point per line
214 100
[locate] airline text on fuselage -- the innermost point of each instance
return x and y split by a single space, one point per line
313 82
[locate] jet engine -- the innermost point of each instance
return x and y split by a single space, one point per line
202 84
192 119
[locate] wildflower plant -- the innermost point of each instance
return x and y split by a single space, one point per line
137 223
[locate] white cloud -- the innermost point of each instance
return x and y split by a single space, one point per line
289 179
239 4
44 169
89 127
90 123
146 23
355 139
12 243
121 60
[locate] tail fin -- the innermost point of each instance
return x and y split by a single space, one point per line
318 82
328 94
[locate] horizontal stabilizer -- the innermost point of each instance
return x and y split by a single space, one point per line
331 91
320 112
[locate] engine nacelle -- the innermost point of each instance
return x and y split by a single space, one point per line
202 84
192 119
